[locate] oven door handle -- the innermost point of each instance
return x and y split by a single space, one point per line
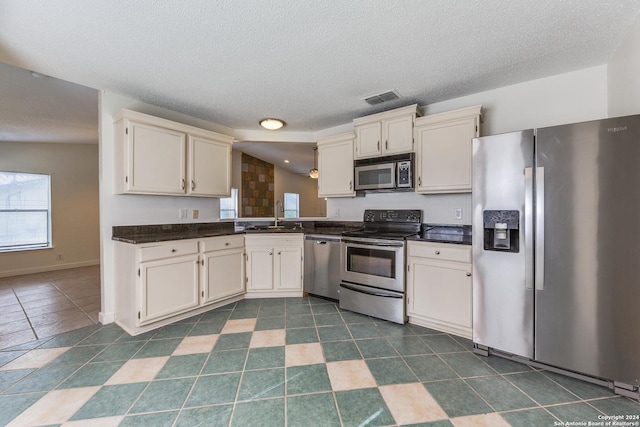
375 294
368 242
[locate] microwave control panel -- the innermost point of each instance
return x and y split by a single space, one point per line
404 174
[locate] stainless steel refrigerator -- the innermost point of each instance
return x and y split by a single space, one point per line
556 247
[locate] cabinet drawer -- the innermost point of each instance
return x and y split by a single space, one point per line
440 251
222 242
167 250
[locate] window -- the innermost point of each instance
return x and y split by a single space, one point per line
229 205
291 205
25 211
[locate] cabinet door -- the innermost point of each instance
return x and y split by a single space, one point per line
156 160
259 269
288 268
440 291
209 167
368 140
168 287
223 274
444 156
335 169
398 135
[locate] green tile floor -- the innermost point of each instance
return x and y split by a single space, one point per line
238 384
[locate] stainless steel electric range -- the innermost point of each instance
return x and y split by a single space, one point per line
372 279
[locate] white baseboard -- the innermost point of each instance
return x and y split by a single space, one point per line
106 318
49 268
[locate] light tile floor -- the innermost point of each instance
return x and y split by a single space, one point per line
283 362
36 306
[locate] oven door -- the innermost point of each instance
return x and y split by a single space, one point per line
375 177
373 263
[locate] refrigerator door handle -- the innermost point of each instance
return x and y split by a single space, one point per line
528 228
539 276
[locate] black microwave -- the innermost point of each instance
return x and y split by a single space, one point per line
385 174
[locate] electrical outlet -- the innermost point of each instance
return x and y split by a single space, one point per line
336 212
458 213
182 213
195 214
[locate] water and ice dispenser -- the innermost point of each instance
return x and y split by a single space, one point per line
501 231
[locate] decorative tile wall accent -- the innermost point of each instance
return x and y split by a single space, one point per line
257 187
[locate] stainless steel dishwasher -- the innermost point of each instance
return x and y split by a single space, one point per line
322 265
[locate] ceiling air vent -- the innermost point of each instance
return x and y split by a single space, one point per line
390 95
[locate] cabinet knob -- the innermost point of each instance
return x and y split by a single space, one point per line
227 244
419 181
350 185
270 253
386 145
378 145
193 185
279 253
173 250
183 183
437 252
468 274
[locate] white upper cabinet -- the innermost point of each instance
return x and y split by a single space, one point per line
156 160
209 169
335 166
158 156
385 134
368 140
444 155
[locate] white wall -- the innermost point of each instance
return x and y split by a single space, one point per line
564 98
133 209
309 203
623 75
74 204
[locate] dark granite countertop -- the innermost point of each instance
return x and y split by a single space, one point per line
440 233
137 234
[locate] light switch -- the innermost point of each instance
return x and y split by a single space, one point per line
182 213
195 214
458 213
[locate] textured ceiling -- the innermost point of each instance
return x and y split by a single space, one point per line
306 62
45 109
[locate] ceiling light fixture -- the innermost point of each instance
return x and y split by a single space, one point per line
272 124
313 173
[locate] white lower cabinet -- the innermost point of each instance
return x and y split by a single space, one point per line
439 287
274 265
222 268
168 287
160 283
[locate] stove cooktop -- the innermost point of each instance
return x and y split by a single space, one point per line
389 224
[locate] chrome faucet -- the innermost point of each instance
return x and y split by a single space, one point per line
278 203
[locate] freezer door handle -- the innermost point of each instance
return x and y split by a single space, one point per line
539 273
528 228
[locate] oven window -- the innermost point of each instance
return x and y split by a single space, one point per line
373 262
